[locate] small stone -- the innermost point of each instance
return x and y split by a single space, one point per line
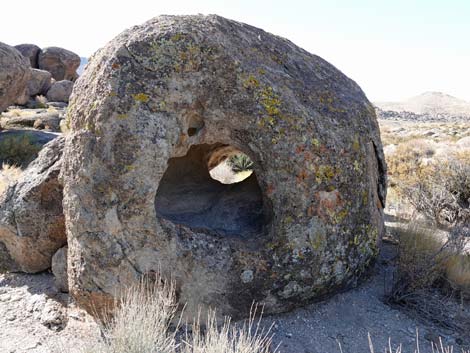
247 276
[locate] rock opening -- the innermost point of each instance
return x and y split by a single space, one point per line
189 195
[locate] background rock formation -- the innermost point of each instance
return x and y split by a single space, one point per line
145 119
31 52
60 91
61 63
14 75
31 218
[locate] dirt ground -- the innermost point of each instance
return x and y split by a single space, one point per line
36 318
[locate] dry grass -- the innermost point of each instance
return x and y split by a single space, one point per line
8 174
430 259
250 338
436 347
457 272
142 324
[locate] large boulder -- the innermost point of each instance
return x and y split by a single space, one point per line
31 52
148 116
61 63
32 225
60 91
39 83
14 76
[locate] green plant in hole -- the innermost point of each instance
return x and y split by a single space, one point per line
240 163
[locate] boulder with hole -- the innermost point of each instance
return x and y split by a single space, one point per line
32 225
14 76
156 109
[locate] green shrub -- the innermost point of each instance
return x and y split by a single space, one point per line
18 150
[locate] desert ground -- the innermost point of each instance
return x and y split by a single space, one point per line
36 317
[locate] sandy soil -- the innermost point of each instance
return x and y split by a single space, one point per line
35 317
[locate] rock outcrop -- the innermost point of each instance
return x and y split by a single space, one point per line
14 75
61 63
59 269
60 91
31 219
39 83
147 116
31 52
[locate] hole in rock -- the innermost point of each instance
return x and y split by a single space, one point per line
191 194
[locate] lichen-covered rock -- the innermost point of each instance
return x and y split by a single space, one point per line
39 83
60 91
61 63
156 106
31 219
14 75
31 52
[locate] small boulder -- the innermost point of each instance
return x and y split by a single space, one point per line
31 52
39 83
59 269
14 76
60 91
31 218
61 63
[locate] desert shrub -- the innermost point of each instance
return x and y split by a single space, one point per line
18 150
442 192
41 101
426 257
409 158
141 323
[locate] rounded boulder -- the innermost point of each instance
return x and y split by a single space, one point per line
39 83
14 76
61 63
157 108
31 52
60 91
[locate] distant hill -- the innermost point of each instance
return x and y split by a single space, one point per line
83 62
433 104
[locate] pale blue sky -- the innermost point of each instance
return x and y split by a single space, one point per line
393 49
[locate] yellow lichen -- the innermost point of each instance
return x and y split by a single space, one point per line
141 97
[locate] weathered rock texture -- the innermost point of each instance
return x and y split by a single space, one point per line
60 91
61 63
146 118
39 83
59 269
31 219
31 52
14 75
